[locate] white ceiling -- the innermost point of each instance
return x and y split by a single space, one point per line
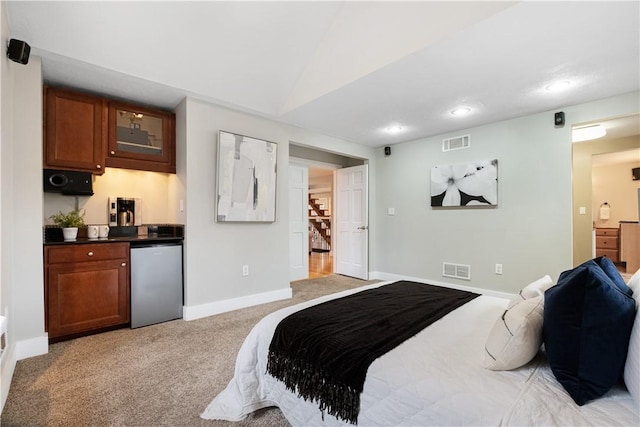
345 69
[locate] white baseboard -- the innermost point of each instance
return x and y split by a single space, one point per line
6 373
32 347
18 351
390 276
217 307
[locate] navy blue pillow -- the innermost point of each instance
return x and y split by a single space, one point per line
611 271
586 328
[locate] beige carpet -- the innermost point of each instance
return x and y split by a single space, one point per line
163 374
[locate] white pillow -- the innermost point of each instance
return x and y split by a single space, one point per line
516 336
632 365
532 290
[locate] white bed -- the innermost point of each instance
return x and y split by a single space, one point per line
434 378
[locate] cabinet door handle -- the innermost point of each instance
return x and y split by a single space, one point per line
112 153
98 167
124 264
90 253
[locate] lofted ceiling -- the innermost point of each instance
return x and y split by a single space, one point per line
345 69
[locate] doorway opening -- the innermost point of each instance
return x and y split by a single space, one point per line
605 195
320 210
320 242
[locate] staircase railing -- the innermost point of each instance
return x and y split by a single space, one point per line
320 221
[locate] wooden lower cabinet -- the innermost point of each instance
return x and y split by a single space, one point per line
86 288
607 243
630 246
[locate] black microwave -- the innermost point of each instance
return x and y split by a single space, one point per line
68 182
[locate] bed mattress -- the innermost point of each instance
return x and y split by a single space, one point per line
434 378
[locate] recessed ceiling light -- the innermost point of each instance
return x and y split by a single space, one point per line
461 111
395 129
588 133
558 86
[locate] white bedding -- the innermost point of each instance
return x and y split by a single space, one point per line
434 378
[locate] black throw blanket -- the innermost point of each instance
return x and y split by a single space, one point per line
323 352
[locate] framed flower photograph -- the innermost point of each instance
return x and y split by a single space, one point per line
468 184
246 184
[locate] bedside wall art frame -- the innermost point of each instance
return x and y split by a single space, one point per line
467 184
246 184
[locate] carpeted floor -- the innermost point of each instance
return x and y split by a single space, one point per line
160 375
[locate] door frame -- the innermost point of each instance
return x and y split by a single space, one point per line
582 235
300 162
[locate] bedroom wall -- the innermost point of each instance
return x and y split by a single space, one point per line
529 232
6 286
21 277
215 252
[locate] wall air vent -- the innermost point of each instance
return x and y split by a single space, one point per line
457 271
456 143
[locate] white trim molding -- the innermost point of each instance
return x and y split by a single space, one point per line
217 307
18 351
32 347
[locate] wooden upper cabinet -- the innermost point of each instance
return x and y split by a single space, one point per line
141 138
75 132
87 132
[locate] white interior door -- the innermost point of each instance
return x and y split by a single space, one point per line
352 215
298 222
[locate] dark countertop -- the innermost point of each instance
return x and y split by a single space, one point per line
166 233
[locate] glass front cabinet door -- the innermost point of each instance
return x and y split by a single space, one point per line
141 138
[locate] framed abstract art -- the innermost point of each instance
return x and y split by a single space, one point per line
246 184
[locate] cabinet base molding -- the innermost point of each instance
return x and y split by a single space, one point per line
86 333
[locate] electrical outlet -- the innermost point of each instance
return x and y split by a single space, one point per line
498 268
245 270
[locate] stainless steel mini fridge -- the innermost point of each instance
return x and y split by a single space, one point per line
156 283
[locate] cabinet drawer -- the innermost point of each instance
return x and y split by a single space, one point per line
88 252
604 242
612 254
613 232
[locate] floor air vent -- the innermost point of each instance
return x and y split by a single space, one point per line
456 143
458 271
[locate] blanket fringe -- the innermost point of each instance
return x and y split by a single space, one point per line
332 396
